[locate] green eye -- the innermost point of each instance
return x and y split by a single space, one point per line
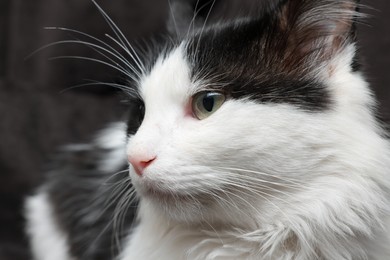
206 103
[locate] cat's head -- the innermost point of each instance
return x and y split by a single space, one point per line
241 115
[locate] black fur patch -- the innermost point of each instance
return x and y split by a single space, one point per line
85 200
229 56
274 58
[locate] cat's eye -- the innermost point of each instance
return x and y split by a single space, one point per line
141 112
136 115
206 103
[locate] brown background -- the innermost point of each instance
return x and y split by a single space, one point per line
36 118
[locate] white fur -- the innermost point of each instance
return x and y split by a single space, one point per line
304 185
113 140
47 240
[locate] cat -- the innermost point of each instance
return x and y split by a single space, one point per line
254 138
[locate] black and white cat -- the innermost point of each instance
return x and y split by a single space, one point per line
249 139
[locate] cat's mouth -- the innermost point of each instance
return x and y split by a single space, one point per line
165 195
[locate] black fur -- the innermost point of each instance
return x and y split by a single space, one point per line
85 199
273 58
229 57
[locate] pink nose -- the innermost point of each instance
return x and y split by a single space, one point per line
140 163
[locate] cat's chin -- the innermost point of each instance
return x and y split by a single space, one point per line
165 197
175 205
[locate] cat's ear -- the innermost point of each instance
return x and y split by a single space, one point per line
315 30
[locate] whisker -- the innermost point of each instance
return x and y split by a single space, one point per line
124 88
117 193
109 200
142 68
120 189
204 25
263 183
192 23
121 37
293 181
97 61
173 18
110 49
114 175
119 215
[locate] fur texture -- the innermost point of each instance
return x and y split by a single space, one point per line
48 242
293 164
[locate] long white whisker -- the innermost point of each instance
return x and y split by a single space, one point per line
120 213
192 23
280 184
121 37
97 61
118 191
204 25
284 179
173 18
106 181
124 88
110 49
141 67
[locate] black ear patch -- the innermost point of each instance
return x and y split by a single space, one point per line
278 56
313 30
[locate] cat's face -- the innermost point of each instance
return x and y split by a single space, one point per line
239 116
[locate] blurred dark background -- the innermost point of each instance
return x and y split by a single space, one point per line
36 117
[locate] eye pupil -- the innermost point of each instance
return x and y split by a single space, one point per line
208 103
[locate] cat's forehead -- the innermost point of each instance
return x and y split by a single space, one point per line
169 79
285 56
227 58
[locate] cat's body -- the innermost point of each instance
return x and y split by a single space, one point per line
258 141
